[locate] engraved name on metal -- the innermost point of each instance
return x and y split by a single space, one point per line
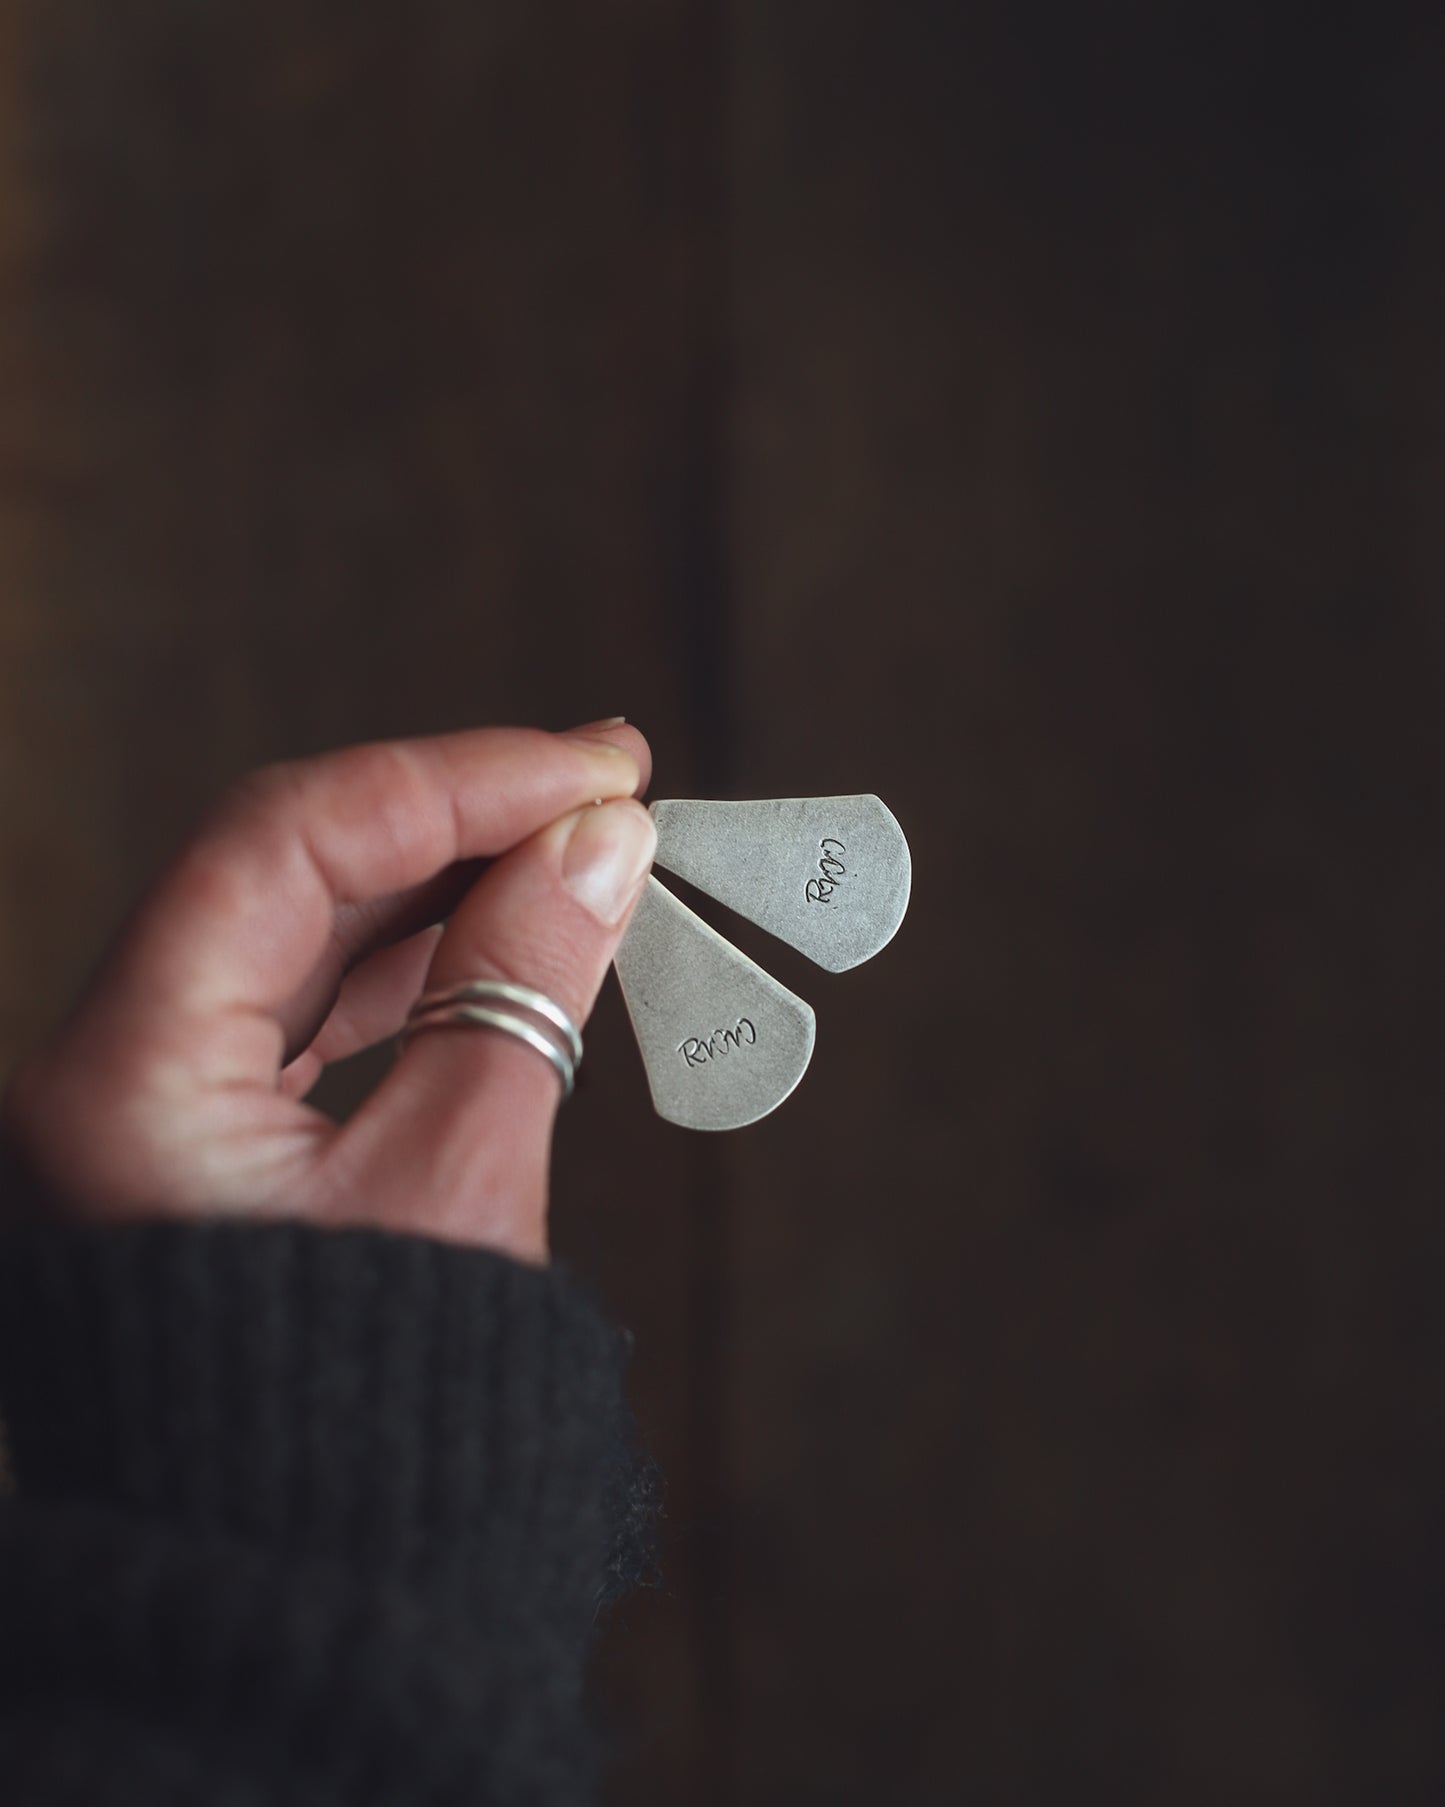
698 1050
830 871
780 862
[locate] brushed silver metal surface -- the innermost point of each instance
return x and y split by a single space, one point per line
828 875
722 1041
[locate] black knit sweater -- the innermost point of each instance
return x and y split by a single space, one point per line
302 1516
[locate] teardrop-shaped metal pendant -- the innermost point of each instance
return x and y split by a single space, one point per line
722 1041
828 875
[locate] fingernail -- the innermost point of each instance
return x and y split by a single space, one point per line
621 776
607 856
607 721
593 744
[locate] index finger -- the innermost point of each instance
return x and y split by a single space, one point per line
247 908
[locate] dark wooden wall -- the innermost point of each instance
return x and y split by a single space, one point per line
1033 413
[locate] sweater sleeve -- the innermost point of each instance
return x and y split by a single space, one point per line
301 1515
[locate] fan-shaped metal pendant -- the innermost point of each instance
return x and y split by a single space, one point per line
722 1041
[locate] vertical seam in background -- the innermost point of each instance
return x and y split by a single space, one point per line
704 583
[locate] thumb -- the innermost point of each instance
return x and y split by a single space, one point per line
456 1140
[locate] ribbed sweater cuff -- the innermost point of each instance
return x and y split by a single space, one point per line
441 1417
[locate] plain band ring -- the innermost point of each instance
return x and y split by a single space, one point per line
484 991
482 1016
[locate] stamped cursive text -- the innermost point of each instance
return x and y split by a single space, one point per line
698 1050
830 870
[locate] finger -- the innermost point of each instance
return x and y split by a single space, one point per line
359 928
373 923
358 932
461 1126
620 732
244 915
370 1006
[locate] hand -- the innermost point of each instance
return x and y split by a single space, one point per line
296 926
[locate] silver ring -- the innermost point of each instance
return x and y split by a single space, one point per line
466 1005
499 991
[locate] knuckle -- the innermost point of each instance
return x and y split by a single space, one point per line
262 788
243 815
255 795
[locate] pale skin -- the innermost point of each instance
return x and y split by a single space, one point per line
297 925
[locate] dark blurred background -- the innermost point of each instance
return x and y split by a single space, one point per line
1033 413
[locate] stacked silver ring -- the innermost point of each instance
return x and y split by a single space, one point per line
531 1016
